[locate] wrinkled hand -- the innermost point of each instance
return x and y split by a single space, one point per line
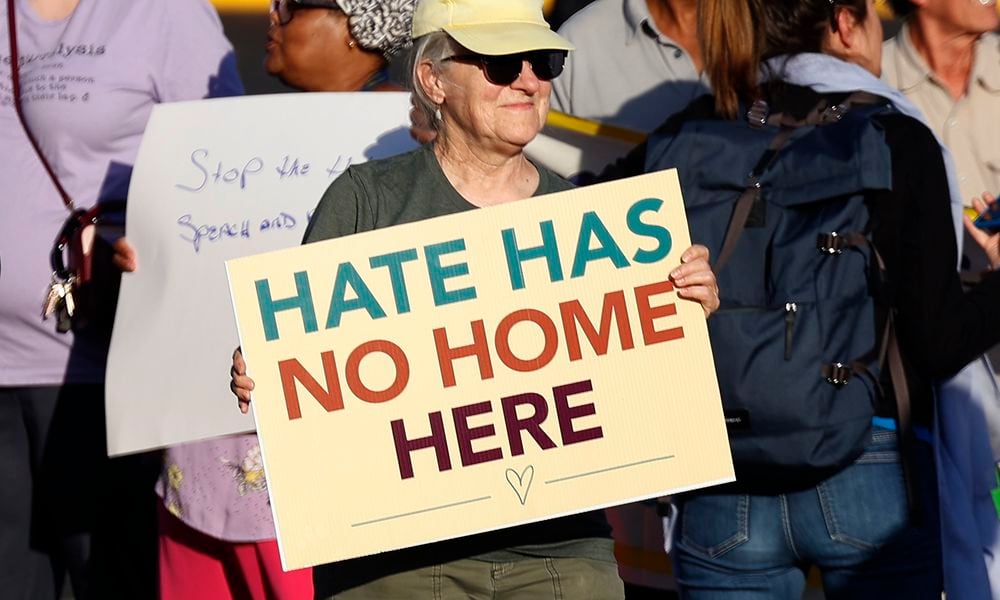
241 385
695 280
420 128
125 257
988 241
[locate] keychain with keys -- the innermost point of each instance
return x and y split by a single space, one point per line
60 301
56 293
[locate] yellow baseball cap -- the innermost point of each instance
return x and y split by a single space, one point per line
491 27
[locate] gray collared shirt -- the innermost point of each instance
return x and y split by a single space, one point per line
969 126
624 71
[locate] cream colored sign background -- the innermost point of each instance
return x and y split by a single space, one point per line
334 480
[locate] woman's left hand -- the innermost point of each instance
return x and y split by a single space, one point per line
695 280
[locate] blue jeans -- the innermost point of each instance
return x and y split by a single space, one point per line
854 527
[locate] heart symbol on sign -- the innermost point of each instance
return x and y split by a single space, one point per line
521 482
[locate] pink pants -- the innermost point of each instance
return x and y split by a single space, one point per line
194 566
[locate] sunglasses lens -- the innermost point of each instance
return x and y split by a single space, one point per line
547 65
502 70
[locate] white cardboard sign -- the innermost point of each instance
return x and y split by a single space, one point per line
215 180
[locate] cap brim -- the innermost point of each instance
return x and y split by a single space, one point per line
495 39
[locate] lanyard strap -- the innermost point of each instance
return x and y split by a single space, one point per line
15 72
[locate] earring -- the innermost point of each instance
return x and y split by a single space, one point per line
352 44
437 113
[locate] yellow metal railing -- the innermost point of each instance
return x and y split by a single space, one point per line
241 6
594 128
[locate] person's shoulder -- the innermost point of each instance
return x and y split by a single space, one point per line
891 49
907 135
593 20
355 199
898 122
182 6
177 12
389 181
551 181
990 42
174 7
701 108
400 164
893 41
164 18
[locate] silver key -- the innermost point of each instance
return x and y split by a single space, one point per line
49 306
67 296
57 291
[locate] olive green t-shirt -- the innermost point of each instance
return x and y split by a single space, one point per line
403 189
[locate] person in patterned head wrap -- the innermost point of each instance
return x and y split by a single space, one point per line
216 536
337 45
382 25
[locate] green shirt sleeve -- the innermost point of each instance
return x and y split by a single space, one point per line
344 209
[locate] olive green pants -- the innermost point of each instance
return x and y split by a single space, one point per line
528 579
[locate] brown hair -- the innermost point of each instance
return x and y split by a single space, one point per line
737 36
730 47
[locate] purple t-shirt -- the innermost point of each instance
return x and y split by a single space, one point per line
88 83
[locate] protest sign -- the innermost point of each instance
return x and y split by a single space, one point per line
217 179
480 370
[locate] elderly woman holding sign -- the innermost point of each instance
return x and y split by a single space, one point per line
482 73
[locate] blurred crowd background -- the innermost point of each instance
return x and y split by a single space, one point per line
246 27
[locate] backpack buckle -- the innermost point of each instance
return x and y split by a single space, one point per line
831 243
833 113
837 374
758 113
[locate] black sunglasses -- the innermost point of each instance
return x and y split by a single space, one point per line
286 8
505 69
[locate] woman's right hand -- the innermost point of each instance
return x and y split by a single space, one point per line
240 384
987 240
